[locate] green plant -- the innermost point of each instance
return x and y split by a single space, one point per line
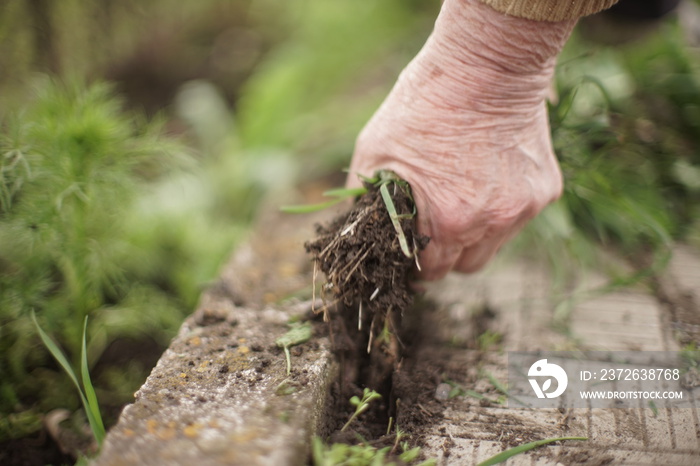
343 48
344 454
341 454
498 385
654 408
458 390
72 165
361 404
382 180
488 340
300 333
623 133
505 455
338 195
408 454
87 391
690 356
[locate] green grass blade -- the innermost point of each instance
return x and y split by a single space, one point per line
57 354
474 394
317 451
93 407
502 388
459 391
63 361
653 407
505 455
345 192
373 180
391 208
339 195
308 208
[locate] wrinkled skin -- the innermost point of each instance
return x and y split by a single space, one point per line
466 125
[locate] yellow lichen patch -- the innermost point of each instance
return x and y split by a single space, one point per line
162 432
128 432
183 375
167 433
151 426
195 341
203 366
237 361
192 430
245 436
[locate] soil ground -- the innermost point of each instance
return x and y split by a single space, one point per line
60 444
461 330
455 339
366 283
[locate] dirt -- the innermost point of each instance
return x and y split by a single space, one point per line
430 362
367 295
589 458
39 450
683 311
368 273
61 444
410 354
408 403
390 344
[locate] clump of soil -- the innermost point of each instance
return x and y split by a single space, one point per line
367 291
368 277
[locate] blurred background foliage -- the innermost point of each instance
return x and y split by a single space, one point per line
138 139
626 130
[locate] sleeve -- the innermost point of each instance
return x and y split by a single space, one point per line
549 10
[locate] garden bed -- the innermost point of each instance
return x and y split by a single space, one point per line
229 398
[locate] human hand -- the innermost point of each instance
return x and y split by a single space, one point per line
466 125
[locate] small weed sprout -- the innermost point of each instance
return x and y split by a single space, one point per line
363 454
342 453
299 334
399 436
503 389
654 409
382 179
87 391
489 340
386 177
690 357
337 195
507 454
458 390
409 454
361 405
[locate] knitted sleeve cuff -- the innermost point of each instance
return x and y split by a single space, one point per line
549 10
